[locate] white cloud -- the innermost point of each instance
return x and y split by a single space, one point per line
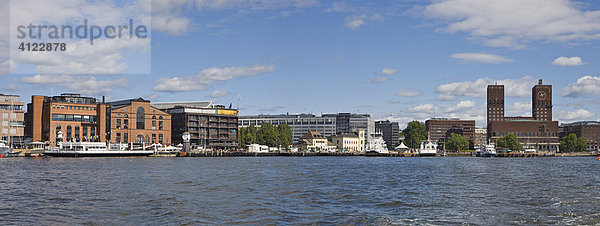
356 21
515 23
586 85
254 4
481 58
273 108
167 16
378 79
445 97
389 71
518 109
461 106
86 84
567 61
208 76
408 93
12 88
341 6
577 115
105 56
423 108
218 93
512 87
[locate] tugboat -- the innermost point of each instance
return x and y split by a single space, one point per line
93 149
428 148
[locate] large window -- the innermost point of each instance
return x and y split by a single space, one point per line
69 132
118 123
140 119
153 125
77 133
160 125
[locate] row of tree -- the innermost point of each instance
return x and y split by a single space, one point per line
267 134
416 132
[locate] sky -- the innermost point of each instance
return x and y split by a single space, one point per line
396 60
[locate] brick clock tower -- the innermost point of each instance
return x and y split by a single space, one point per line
541 102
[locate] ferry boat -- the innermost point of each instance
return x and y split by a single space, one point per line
428 148
6 151
487 151
93 149
377 145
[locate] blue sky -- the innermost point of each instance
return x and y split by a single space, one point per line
398 60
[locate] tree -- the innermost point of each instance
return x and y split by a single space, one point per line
572 143
457 142
267 135
414 133
284 133
247 136
509 141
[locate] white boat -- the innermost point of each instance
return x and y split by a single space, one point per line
93 149
487 151
6 151
428 148
377 145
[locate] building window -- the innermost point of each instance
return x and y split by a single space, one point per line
125 123
118 138
118 123
160 125
126 137
77 133
153 138
139 139
160 138
68 137
140 119
92 132
85 133
153 125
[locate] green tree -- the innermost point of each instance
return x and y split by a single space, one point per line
247 136
284 133
572 143
267 135
509 141
414 133
457 142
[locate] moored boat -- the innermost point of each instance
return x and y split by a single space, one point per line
428 148
7 151
92 149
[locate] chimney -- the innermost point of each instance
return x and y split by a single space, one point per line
103 99
540 82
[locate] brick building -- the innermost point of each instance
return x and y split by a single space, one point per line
441 128
537 131
12 120
136 121
589 130
77 118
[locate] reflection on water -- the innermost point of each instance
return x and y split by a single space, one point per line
317 190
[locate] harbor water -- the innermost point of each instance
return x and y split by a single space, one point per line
297 190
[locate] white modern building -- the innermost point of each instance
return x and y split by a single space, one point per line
300 124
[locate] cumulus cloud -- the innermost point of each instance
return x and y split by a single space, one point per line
408 93
207 76
389 71
378 79
512 87
481 58
461 106
356 21
586 85
218 93
567 61
84 84
577 115
423 108
515 23
341 6
518 109
105 56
